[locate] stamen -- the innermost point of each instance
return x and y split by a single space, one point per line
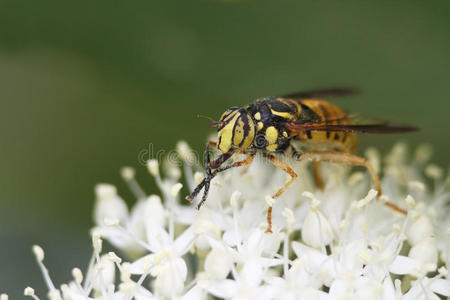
173 171
314 202
398 288
198 177
29 291
125 273
77 275
373 156
433 171
370 196
127 287
288 214
356 177
185 152
235 198
97 241
128 174
342 225
54 295
153 167
410 201
175 189
39 254
423 153
417 185
396 228
397 154
189 159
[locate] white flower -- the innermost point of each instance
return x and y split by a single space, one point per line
425 251
218 263
316 230
247 283
420 229
297 283
337 243
109 205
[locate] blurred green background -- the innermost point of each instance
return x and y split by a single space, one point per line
86 85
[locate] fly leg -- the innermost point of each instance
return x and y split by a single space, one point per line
353 160
316 169
318 179
209 165
210 174
207 181
285 167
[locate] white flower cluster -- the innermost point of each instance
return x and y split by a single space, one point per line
339 243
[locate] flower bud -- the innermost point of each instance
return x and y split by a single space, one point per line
316 230
218 264
425 251
109 205
419 230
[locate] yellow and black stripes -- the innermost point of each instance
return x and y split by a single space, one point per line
325 113
262 125
236 129
270 115
272 124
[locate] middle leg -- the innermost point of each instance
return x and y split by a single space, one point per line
285 167
316 167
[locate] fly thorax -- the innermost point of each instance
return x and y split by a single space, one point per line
237 130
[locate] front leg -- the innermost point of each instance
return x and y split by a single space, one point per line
215 165
245 162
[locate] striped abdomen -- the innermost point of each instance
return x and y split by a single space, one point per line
321 112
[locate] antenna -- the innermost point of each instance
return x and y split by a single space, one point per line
213 123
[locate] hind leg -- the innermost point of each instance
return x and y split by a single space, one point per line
353 160
318 179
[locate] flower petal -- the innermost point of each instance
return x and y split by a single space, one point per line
441 287
184 242
403 265
140 265
316 230
221 288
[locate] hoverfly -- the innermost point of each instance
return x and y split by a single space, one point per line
270 125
